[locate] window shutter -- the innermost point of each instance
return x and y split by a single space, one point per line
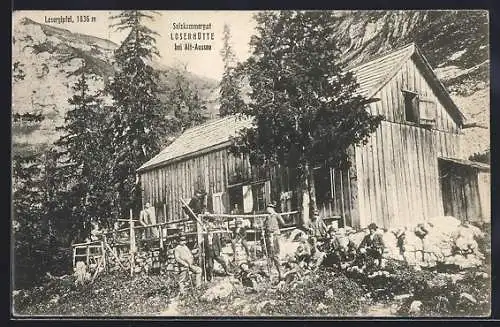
218 204
428 110
247 198
415 101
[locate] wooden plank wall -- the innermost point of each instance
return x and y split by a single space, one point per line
397 171
167 184
213 172
484 181
344 200
461 192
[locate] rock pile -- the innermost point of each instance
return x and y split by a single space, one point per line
145 262
440 240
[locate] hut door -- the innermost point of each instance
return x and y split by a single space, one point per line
460 191
323 187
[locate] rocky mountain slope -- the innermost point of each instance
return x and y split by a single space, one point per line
46 63
456 43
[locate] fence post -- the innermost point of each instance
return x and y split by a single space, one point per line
160 232
88 255
132 243
103 253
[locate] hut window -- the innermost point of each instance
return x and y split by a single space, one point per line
259 194
411 106
236 199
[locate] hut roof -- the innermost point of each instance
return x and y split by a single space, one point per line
202 138
375 73
473 164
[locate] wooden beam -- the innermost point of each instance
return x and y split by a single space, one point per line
132 243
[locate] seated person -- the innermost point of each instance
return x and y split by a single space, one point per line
371 247
298 263
317 257
316 226
248 278
341 249
184 258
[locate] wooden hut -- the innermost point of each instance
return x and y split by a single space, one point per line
396 179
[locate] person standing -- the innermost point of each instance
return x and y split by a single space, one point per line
197 203
148 217
271 229
213 248
239 235
184 258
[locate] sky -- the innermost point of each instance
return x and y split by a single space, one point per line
206 63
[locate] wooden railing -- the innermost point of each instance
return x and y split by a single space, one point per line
160 233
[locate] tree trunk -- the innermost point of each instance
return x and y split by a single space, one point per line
308 192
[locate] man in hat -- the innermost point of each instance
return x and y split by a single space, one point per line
271 228
197 203
372 246
213 248
184 258
317 227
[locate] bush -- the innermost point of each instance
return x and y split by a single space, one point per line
308 298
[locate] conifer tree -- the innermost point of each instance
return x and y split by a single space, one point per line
81 171
137 124
230 97
304 103
189 109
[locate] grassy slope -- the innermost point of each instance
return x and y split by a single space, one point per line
351 295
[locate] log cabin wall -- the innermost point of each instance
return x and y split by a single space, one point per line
397 171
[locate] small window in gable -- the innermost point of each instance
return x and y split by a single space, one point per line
411 106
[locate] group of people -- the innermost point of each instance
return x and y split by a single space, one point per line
323 245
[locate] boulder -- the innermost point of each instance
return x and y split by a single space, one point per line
262 304
463 262
437 245
468 297
321 307
464 238
391 247
415 308
412 242
356 238
446 224
287 247
220 290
